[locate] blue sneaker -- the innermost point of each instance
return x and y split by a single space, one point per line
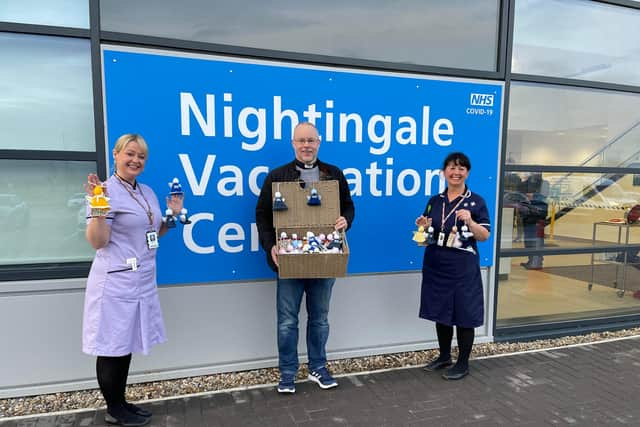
323 378
287 384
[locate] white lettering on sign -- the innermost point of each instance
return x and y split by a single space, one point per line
382 130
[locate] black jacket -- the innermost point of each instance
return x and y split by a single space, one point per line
289 173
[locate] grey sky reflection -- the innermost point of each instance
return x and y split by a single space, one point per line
453 33
577 39
46 99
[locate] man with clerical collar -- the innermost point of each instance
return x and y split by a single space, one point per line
308 169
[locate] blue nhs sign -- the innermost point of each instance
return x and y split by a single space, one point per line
220 124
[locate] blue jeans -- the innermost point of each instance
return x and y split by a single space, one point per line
289 298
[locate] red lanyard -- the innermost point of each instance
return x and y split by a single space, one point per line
445 218
148 211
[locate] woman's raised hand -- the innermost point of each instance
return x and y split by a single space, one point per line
92 182
423 221
175 202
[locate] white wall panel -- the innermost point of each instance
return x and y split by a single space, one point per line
211 328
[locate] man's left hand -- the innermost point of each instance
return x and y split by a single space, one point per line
341 223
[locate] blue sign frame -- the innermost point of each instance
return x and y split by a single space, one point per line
219 124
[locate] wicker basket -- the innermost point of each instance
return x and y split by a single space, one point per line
300 218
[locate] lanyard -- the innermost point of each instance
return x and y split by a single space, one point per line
148 211
445 218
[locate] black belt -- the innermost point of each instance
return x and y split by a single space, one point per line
121 270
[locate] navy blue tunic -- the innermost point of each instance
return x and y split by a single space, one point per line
451 282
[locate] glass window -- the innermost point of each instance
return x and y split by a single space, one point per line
450 33
566 210
555 125
46 95
577 39
569 287
59 13
42 211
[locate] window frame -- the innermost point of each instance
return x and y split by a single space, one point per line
559 328
59 270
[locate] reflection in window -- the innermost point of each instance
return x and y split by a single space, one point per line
60 13
576 39
569 287
450 33
542 210
42 211
46 100
555 125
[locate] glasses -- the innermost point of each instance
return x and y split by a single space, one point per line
309 141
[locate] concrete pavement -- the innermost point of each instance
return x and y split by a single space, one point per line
585 385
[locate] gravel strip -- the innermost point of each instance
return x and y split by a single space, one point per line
92 399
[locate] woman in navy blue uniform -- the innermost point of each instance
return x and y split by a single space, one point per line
452 292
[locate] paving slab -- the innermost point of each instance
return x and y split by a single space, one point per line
594 384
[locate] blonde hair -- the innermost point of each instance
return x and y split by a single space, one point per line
125 139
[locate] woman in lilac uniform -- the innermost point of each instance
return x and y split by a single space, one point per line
452 292
122 312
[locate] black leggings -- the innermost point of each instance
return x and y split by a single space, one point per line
465 342
112 373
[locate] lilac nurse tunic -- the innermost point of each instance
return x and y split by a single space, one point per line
122 312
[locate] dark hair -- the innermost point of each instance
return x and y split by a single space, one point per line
457 158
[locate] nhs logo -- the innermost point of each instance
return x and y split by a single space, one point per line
482 99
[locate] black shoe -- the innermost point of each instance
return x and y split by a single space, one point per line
437 364
134 409
455 373
123 417
530 266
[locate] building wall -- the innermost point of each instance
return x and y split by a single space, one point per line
211 328
572 85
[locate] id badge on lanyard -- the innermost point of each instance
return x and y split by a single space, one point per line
152 239
151 235
452 233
